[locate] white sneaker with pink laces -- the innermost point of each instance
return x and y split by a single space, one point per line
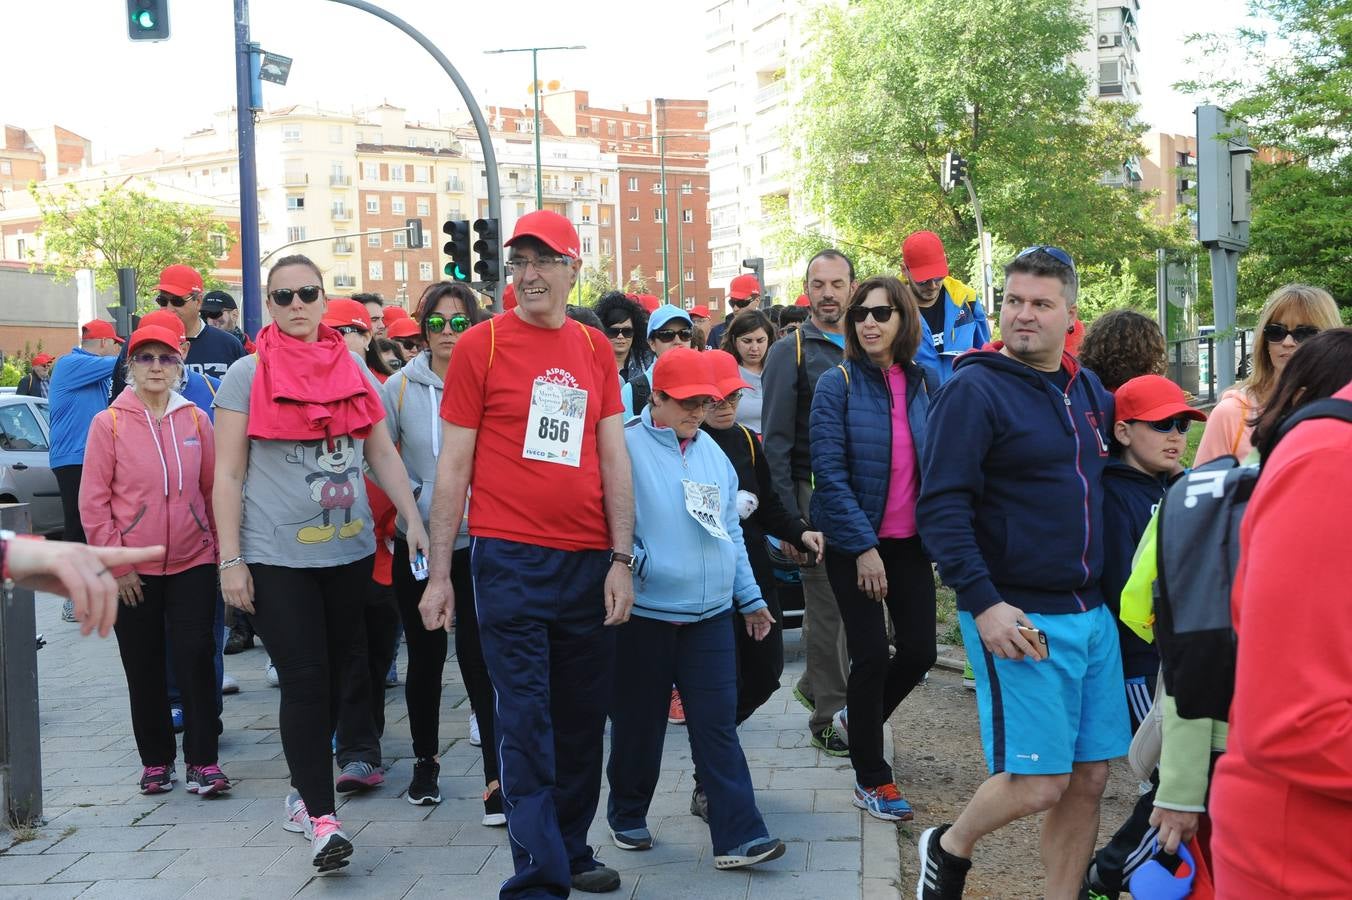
329 847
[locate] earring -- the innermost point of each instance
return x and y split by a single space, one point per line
1070 330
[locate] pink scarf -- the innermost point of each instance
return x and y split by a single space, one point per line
309 391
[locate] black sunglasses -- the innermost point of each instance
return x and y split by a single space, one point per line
880 314
308 294
1276 332
436 323
166 299
666 336
620 331
410 345
348 329
742 304
1181 424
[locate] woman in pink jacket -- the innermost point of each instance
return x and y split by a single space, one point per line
149 468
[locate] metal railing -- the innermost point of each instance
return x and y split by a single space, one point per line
1191 364
20 742
340 181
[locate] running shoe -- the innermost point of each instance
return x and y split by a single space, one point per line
392 676
240 639
968 677
942 875
474 738
633 839
494 815
676 712
597 880
699 803
424 789
68 611
329 847
297 820
749 854
157 779
229 684
358 776
841 722
804 699
270 673
883 802
829 742
206 780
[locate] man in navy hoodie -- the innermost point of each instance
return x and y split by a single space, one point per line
1011 507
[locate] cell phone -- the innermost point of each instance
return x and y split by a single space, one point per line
1038 639
419 567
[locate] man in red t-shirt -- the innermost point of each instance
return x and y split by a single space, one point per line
533 428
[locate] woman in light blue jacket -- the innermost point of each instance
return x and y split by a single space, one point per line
691 572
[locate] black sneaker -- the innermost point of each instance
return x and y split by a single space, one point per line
240 639
424 789
699 803
828 741
1090 889
942 875
600 880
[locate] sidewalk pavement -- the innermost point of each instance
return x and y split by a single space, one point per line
102 839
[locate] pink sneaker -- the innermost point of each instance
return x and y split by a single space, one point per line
157 779
329 847
206 780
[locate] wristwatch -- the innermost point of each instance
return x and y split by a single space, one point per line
623 559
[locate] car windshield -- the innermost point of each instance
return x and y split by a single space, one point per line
19 428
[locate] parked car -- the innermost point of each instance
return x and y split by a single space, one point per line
25 474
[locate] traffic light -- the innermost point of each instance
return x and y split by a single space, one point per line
457 248
489 250
757 265
415 235
955 170
148 20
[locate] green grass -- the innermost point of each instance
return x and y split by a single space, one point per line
1194 438
946 612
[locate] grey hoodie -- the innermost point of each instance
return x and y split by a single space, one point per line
412 398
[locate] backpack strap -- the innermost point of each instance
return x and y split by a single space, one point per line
113 414
403 386
640 391
750 442
492 339
1239 432
846 372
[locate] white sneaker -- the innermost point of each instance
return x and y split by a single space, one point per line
474 739
270 672
297 820
229 685
841 721
329 847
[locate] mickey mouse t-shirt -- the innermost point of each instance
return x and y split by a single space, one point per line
305 504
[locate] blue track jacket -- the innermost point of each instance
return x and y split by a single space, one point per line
78 393
965 328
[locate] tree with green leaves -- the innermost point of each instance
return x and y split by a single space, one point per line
596 280
637 283
1298 104
892 85
124 227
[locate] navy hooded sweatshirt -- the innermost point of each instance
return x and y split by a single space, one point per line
1130 497
1011 497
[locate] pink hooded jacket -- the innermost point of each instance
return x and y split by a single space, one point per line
146 483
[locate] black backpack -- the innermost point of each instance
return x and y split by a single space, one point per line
1197 553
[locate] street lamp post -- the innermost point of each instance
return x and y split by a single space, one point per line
535 94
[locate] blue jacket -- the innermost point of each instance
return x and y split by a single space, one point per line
1011 491
201 390
965 328
78 392
851 428
682 572
1130 498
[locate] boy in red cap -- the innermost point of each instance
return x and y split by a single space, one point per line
743 294
954 321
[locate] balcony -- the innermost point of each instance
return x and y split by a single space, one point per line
724 232
340 181
295 179
453 186
769 53
341 214
342 248
717 37
345 281
771 94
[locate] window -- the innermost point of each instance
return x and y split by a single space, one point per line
217 244
626 129
335 134
396 172
659 187
605 246
687 188
642 129
636 246
295 233
291 133
295 202
633 214
424 207
427 237
6 167
370 171
577 185
587 245
586 212
337 175
689 274
21 246
660 275
400 239
605 215
19 428
373 203
657 214
400 271
610 128
373 240
605 187
422 174
633 184
424 271
375 270
687 216
397 206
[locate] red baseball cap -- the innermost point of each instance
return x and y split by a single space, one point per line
163 318
699 311
649 302
153 334
394 314
682 373
43 358
98 328
556 232
802 301
343 311
743 286
404 327
180 280
1152 398
923 254
723 367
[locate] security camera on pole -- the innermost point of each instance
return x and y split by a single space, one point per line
954 172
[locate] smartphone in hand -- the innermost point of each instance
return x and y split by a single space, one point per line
1038 639
419 567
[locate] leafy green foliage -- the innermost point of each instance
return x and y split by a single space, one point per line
124 228
9 375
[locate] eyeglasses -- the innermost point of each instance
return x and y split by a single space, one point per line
349 329
691 404
742 304
394 363
410 345
1275 332
666 335
213 316
620 331
880 314
436 323
1181 424
543 264
1055 253
308 294
731 399
164 359
165 299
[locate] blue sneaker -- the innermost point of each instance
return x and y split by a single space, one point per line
748 854
883 802
633 839
176 714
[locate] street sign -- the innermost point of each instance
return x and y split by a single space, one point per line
275 68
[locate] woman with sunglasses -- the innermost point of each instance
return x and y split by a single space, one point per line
148 475
668 327
868 429
1292 314
748 338
295 426
622 319
412 404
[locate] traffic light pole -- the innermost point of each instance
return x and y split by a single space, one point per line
248 171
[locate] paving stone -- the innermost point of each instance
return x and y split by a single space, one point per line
834 855
212 862
681 886
60 891
111 839
769 884
119 865
364 887
435 860
814 826
272 886
463 887
189 808
297 862
34 869
191 835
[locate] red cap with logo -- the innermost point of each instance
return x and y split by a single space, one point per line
343 311
163 318
699 311
683 373
1152 398
152 334
802 301
923 254
43 358
552 229
180 280
404 327
743 286
98 328
723 367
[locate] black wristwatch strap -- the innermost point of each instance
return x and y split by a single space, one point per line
623 559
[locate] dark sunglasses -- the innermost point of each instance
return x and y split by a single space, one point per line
308 294
436 323
666 336
731 399
394 363
166 299
1181 424
212 316
1055 253
620 331
1276 332
880 314
410 345
742 304
164 359
348 329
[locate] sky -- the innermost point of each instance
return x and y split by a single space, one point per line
130 97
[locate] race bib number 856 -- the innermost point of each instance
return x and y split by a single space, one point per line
556 423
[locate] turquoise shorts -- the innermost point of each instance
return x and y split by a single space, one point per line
1039 718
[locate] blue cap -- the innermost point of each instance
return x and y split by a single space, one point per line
664 314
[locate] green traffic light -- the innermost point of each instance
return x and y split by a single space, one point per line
145 19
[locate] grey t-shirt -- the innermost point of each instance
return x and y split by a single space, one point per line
305 503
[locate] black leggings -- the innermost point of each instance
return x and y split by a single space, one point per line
181 606
361 709
312 622
68 483
427 656
877 685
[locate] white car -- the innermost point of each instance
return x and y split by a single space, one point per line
25 474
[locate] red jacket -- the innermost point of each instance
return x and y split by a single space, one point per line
1281 800
146 483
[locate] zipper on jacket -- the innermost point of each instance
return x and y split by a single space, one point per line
1084 486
